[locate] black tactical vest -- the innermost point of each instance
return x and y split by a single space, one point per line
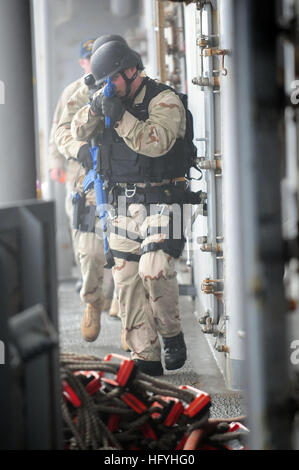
120 164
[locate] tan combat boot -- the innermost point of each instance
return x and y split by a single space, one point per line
123 341
91 322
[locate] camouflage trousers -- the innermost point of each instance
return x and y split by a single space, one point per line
88 247
147 289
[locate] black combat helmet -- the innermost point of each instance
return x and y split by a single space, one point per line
114 37
113 57
89 79
106 38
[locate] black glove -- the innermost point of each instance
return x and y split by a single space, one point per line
84 157
96 104
113 108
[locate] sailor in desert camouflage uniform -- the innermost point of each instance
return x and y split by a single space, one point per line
64 166
142 161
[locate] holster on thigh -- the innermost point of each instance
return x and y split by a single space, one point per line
173 247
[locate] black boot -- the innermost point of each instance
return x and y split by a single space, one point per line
175 352
153 368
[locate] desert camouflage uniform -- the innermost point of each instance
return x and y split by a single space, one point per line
62 138
147 290
56 158
88 248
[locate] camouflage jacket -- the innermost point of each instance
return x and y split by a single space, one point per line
153 137
56 157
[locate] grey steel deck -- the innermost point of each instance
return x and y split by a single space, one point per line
200 369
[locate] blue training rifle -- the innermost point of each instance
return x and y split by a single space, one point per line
109 91
93 178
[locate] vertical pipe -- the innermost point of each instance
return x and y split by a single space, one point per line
289 183
196 105
160 25
43 22
149 19
42 45
210 152
258 113
235 255
17 160
201 51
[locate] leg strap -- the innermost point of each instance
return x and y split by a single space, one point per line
125 255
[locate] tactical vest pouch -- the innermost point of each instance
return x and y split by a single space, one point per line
168 194
170 246
83 216
78 208
88 219
174 247
123 165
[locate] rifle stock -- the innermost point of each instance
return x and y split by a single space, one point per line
109 91
94 178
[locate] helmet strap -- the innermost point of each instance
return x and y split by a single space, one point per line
128 81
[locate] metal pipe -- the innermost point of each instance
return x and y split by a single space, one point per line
251 153
161 48
210 152
205 164
211 247
232 193
18 169
266 315
206 81
151 34
201 48
42 61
